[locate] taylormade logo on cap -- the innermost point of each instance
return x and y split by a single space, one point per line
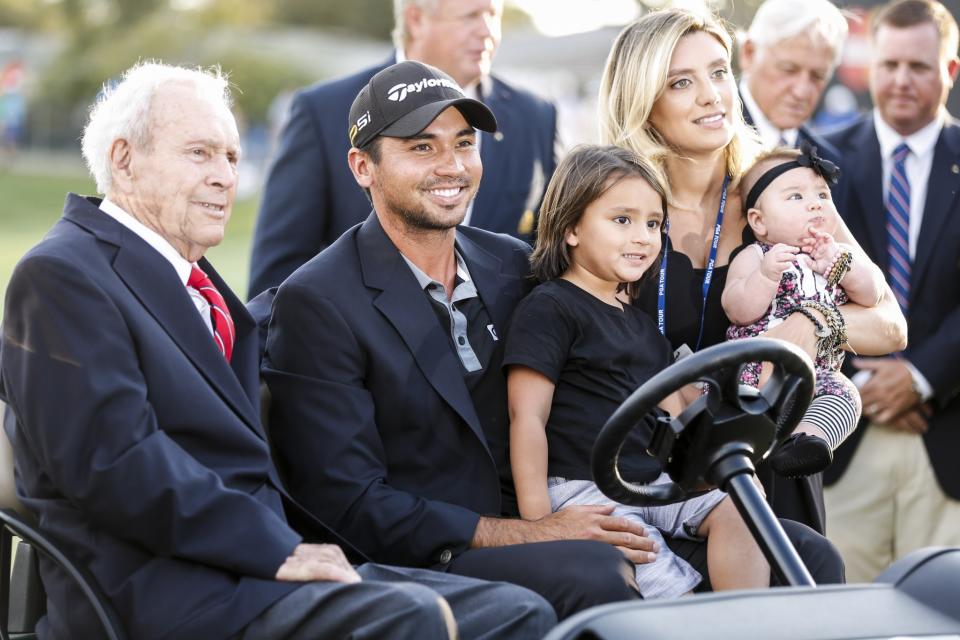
398 93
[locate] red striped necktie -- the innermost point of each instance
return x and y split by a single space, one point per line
223 332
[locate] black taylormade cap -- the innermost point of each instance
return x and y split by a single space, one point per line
403 99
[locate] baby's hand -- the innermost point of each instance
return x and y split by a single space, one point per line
822 248
777 260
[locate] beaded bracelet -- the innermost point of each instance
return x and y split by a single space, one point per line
840 267
819 330
829 345
833 262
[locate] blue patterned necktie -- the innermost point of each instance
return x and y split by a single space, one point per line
898 228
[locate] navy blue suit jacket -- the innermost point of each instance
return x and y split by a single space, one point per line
311 197
370 415
137 445
934 313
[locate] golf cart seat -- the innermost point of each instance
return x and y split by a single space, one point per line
22 597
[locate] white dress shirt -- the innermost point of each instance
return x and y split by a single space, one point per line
770 135
180 264
917 165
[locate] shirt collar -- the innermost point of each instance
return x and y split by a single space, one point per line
769 134
182 266
921 142
425 281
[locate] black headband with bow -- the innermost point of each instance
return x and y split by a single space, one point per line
807 159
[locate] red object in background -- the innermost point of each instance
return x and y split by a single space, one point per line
854 69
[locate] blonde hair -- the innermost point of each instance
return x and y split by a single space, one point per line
635 77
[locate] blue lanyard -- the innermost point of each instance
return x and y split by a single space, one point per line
707 277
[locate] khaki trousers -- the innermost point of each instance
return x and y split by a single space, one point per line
888 503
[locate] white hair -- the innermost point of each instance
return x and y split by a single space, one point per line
122 110
399 33
778 20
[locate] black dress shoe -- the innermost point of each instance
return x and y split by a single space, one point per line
801 455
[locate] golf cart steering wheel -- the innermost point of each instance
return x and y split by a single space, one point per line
729 422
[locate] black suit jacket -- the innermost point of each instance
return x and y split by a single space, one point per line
370 413
311 197
934 313
825 149
136 444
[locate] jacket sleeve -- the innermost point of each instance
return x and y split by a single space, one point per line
323 425
70 368
936 357
293 217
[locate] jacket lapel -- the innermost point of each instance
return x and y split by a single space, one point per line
406 307
866 183
492 284
153 281
493 155
942 190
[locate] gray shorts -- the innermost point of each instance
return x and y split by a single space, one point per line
668 576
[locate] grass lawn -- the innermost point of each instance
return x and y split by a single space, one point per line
32 203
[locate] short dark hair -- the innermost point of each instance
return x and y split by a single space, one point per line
372 149
901 14
582 177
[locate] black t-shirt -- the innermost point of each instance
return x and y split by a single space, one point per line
684 303
596 355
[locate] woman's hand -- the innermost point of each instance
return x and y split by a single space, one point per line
796 329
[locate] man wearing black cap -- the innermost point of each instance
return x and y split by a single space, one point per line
383 359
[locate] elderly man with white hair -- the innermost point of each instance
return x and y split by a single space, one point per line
786 60
131 371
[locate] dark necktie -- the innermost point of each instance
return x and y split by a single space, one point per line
898 228
223 331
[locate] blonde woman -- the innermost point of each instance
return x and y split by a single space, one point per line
668 93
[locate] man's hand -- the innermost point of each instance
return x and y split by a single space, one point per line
912 420
889 391
310 562
594 522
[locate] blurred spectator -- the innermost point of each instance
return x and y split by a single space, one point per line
310 197
897 484
787 58
13 107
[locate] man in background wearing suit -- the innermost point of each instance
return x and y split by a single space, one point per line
310 196
131 371
899 481
786 61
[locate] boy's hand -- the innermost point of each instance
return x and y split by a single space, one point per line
777 260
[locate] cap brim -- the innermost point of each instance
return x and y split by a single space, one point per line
477 115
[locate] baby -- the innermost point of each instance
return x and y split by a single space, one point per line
797 266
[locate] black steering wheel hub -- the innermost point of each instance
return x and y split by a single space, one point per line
722 433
